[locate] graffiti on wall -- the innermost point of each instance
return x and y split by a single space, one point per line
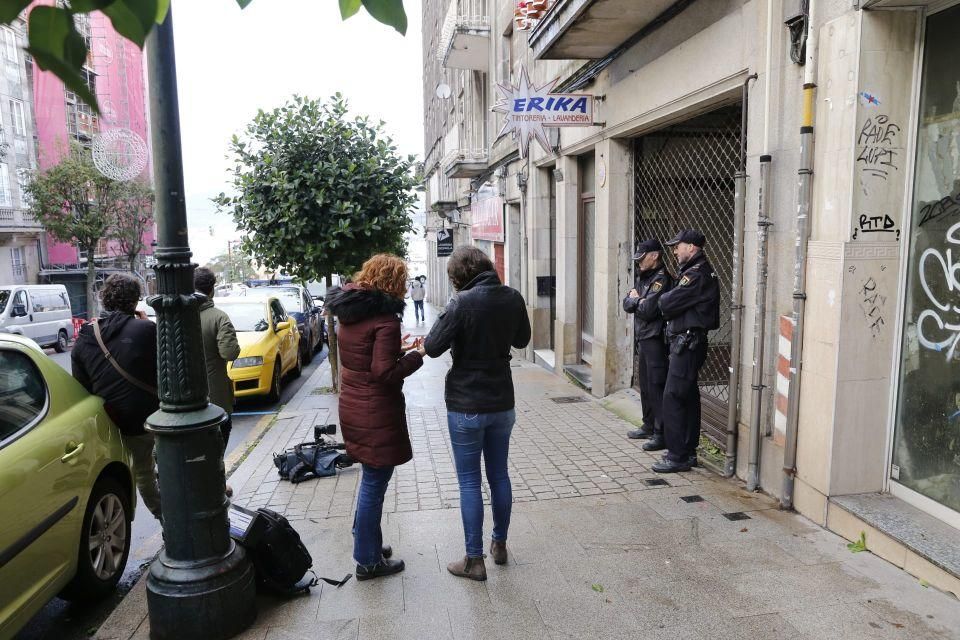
938 326
875 224
873 303
878 151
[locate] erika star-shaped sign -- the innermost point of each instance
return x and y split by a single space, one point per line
530 110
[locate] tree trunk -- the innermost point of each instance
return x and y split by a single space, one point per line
92 305
332 353
133 263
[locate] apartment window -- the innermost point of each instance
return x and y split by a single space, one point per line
17 263
5 199
24 176
10 48
17 121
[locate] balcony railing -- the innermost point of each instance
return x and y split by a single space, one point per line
465 36
17 218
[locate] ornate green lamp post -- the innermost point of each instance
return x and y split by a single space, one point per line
202 585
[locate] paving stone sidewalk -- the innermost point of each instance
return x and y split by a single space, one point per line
600 547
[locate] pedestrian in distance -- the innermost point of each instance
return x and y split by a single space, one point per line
220 347
418 292
479 325
374 360
691 309
651 281
115 357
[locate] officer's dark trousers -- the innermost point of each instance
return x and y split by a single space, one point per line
653 375
681 399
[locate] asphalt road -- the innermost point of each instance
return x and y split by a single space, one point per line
61 620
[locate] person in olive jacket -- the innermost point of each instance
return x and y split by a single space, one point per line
479 325
220 346
374 360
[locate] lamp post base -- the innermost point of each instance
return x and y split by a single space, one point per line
191 601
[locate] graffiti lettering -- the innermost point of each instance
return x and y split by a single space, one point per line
875 224
948 206
872 303
876 139
938 267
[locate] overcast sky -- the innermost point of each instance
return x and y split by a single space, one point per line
230 63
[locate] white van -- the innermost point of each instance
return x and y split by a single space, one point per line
38 311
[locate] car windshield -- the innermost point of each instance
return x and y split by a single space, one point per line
4 296
245 317
289 297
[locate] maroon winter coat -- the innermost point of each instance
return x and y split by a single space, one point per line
373 416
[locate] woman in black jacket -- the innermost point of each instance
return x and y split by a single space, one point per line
479 326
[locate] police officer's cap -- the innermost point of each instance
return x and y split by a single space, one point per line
645 247
690 236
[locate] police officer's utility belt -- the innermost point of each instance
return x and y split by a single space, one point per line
686 340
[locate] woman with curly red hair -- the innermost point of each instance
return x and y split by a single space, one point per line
374 360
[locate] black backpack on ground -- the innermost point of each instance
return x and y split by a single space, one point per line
280 559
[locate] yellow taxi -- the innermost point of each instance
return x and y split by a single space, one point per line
67 493
269 346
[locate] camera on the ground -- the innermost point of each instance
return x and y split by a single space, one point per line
321 430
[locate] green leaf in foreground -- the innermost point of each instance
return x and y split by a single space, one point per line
859 545
597 587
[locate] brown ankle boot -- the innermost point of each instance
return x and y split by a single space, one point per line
498 551
472 568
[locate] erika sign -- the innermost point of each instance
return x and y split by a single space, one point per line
529 110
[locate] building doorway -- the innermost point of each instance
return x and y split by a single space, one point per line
925 468
587 258
684 179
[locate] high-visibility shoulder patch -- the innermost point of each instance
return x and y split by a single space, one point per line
656 286
684 281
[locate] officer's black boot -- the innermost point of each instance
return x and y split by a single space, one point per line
642 433
655 443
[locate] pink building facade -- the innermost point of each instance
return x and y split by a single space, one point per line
117 75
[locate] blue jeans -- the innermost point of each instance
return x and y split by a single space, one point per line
367 536
418 310
472 435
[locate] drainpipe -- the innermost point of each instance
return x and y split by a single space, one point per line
804 190
736 303
759 326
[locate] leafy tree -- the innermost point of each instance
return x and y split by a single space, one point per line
318 192
134 219
232 267
58 47
78 204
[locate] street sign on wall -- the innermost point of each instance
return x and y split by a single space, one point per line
444 243
529 110
487 217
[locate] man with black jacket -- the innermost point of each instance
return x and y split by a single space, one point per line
651 281
691 309
126 381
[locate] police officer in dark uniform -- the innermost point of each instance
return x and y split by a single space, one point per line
691 309
651 280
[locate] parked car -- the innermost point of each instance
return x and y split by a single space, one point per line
298 303
269 346
40 312
67 495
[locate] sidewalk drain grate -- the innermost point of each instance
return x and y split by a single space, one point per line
655 482
569 399
692 498
736 515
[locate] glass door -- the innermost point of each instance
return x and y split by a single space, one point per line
926 444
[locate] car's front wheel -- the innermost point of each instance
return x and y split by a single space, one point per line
62 342
104 542
274 395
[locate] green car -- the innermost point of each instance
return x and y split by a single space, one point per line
67 494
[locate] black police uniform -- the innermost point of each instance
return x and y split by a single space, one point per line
691 308
648 336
